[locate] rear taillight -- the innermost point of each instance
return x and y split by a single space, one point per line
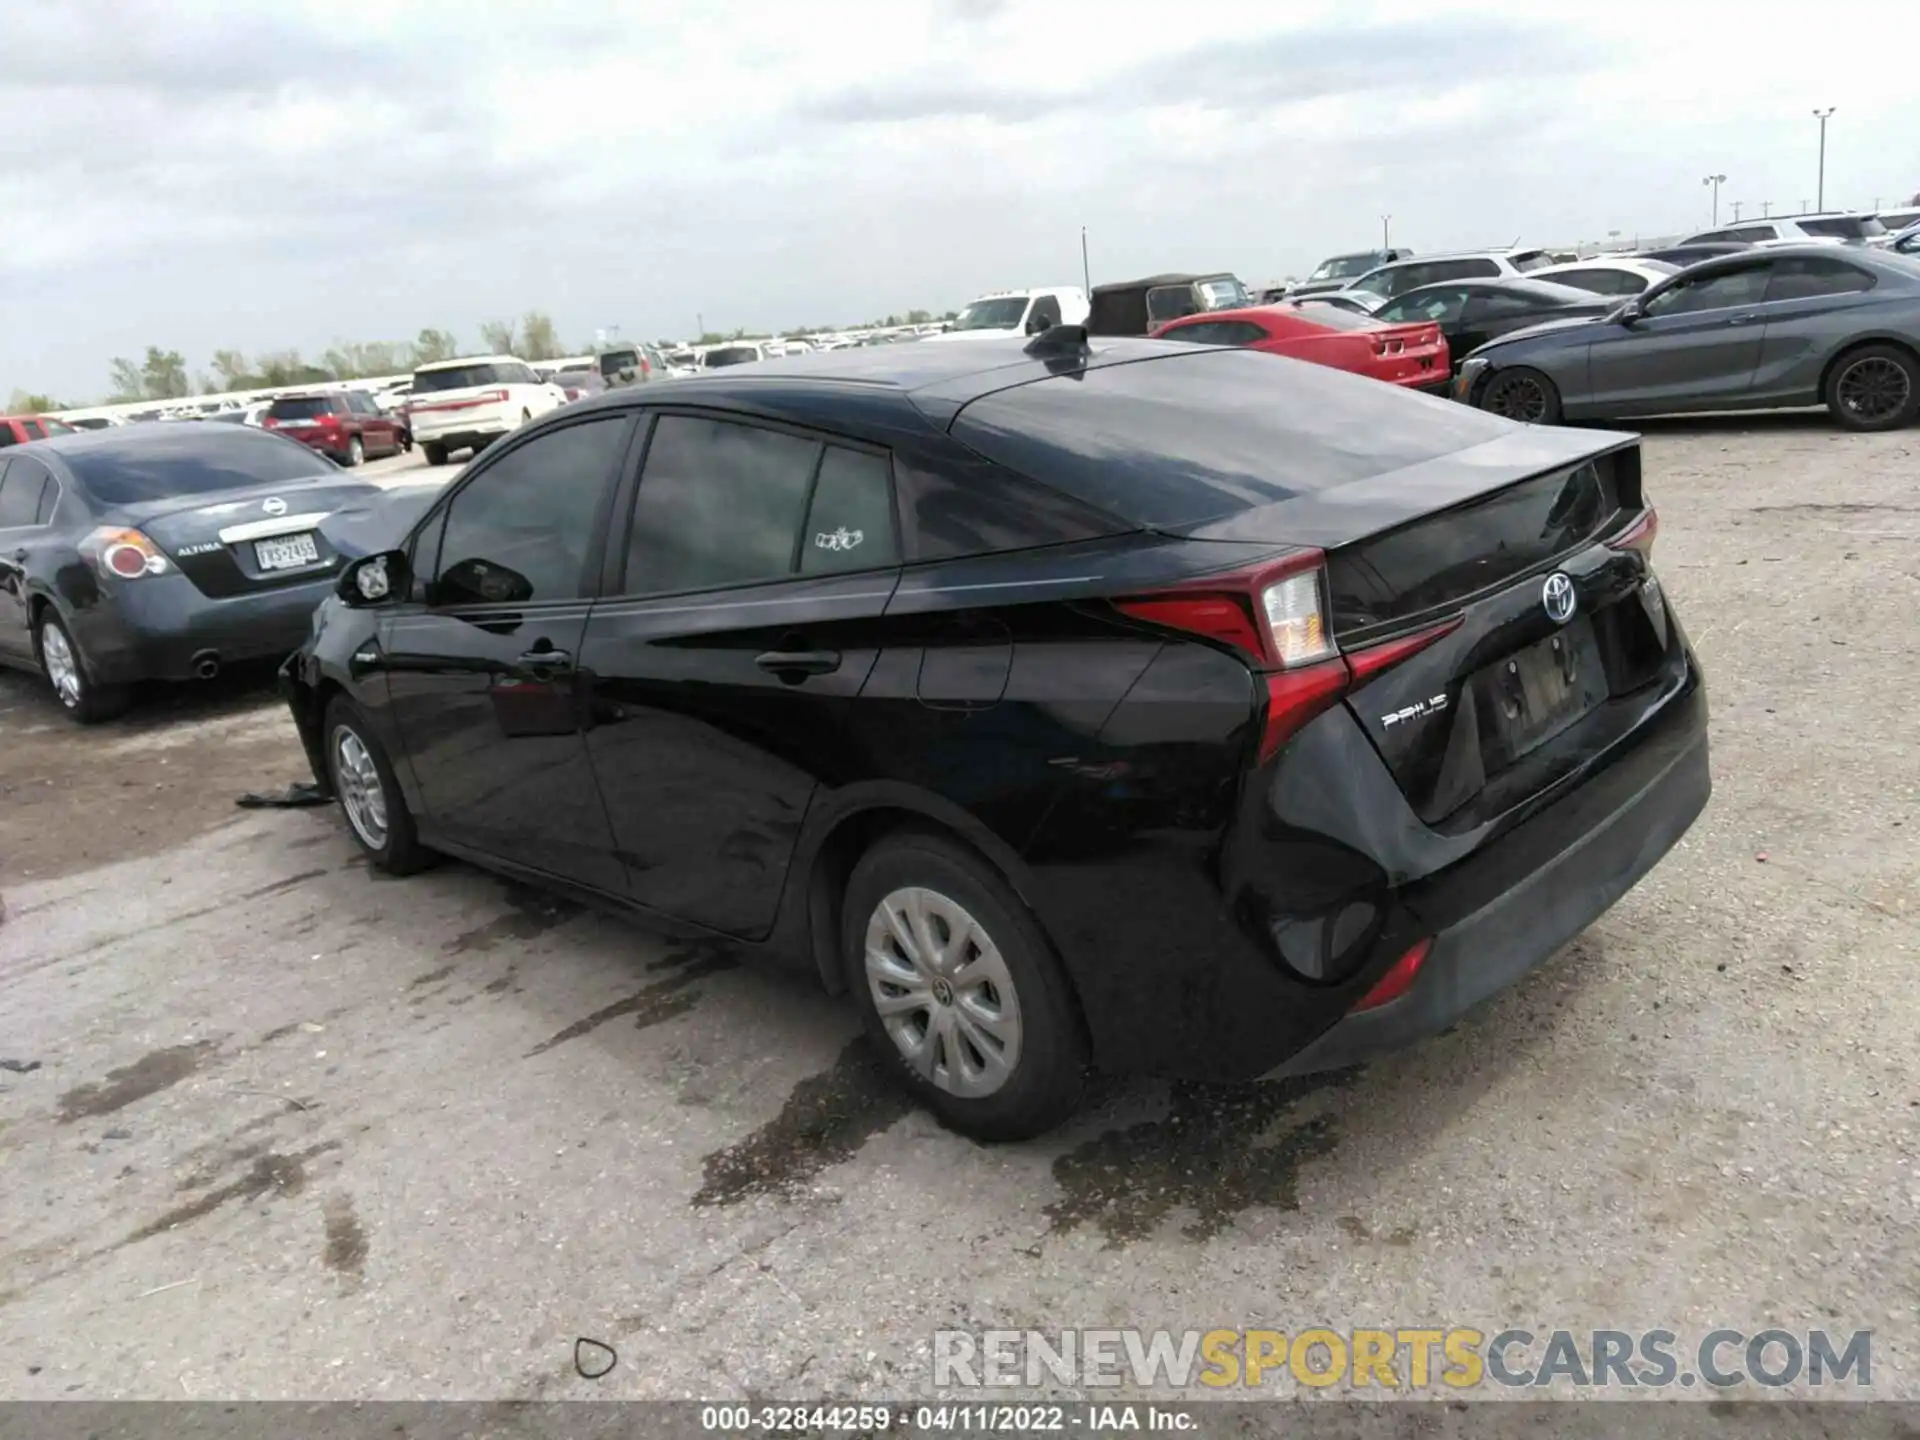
123 554
572 394
1305 672
492 397
1639 535
1389 346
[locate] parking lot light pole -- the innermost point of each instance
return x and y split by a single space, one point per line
1820 188
1736 210
1716 181
1386 231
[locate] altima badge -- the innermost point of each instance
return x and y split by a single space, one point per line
1558 596
274 505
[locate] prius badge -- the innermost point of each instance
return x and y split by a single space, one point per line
1558 597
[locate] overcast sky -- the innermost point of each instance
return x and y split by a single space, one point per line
262 176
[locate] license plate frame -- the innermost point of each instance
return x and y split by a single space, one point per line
1537 692
286 552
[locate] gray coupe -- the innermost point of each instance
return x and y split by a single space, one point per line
1765 329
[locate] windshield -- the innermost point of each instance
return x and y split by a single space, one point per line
301 407
1845 227
732 355
174 460
574 379
55 427
454 377
1530 260
614 361
1344 267
1223 294
1001 314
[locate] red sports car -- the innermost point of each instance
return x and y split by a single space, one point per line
1413 355
19 429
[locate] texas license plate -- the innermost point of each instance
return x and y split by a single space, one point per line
286 552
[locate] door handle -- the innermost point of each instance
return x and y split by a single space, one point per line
1743 319
549 661
799 662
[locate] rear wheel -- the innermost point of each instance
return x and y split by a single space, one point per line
1876 387
369 796
1522 394
959 990
356 451
436 454
66 671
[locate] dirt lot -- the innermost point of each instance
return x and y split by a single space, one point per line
274 1127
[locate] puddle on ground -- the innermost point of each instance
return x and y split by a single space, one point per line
1219 1150
825 1122
533 912
270 1173
651 1004
148 1075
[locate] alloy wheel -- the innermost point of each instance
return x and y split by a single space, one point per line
362 796
63 670
1519 397
943 992
1874 388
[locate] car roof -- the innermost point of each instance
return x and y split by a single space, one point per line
1172 277
461 360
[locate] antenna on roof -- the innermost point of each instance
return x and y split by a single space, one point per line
1058 341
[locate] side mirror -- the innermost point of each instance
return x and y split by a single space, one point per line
374 580
1037 325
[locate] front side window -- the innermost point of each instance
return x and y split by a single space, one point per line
520 531
1721 291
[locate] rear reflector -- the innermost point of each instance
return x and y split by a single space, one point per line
1220 617
1398 980
1294 697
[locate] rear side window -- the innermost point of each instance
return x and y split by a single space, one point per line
520 531
850 522
1807 278
20 494
1755 232
1527 260
1197 435
1217 332
719 504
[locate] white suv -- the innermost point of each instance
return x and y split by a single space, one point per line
1832 229
468 404
1394 280
1017 312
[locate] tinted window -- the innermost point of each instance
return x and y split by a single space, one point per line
1217 332
300 407
850 524
6 433
20 494
1529 260
1721 291
1601 282
719 504
614 361
454 377
520 531
731 355
1170 302
161 461
1398 281
1847 227
1713 236
1442 303
49 501
1481 269
1750 233
1046 310
1204 433
1800 278
1346 267
1503 304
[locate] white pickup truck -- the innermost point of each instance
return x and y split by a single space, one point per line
468 404
1016 312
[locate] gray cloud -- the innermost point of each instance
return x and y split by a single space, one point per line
1244 74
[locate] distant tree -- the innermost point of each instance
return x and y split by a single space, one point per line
203 383
29 402
498 337
918 317
286 368
951 315
538 339
231 367
431 345
711 337
164 374
126 380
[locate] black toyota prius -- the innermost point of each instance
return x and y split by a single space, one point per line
1117 704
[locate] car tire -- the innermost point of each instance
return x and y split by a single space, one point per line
1522 394
403 441
85 702
1009 1077
356 452
369 796
1876 387
436 454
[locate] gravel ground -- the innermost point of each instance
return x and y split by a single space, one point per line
275 1127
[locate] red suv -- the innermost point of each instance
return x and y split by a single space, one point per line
342 424
19 429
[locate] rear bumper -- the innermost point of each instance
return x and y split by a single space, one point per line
457 429
153 629
1502 912
327 442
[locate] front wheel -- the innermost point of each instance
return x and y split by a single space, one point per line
436 454
1876 387
1522 394
369 796
960 991
85 702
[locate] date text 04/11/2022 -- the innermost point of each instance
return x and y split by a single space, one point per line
969 1419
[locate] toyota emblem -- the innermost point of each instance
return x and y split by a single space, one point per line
274 506
1558 597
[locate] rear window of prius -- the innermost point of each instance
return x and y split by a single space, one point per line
1180 439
